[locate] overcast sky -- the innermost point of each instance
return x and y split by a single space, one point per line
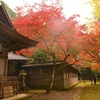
70 6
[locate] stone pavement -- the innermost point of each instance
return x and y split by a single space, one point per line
17 97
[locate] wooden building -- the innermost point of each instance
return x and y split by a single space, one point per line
10 40
39 75
14 63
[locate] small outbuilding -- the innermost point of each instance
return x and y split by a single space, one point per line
39 75
15 62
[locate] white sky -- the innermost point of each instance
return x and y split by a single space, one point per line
70 6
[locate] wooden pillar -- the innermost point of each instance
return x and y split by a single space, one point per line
6 63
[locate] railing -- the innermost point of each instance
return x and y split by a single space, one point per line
9 86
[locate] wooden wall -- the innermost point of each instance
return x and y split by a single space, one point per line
8 86
39 78
12 68
3 63
70 77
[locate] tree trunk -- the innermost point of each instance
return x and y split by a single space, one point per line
53 73
52 80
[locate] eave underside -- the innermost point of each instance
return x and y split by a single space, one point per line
12 40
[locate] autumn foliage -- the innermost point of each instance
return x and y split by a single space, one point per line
58 36
63 39
91 45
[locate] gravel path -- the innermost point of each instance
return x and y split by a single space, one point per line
71 94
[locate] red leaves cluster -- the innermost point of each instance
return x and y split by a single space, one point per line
56 34
37 19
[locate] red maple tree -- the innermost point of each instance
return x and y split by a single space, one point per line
58 37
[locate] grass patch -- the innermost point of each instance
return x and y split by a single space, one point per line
79 84
90 92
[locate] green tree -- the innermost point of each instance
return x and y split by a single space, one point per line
11 13
40 56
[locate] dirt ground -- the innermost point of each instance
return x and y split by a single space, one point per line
72 94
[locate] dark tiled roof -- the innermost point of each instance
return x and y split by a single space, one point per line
13 56
47 64
40 64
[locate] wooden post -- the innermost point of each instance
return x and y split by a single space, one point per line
5 54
